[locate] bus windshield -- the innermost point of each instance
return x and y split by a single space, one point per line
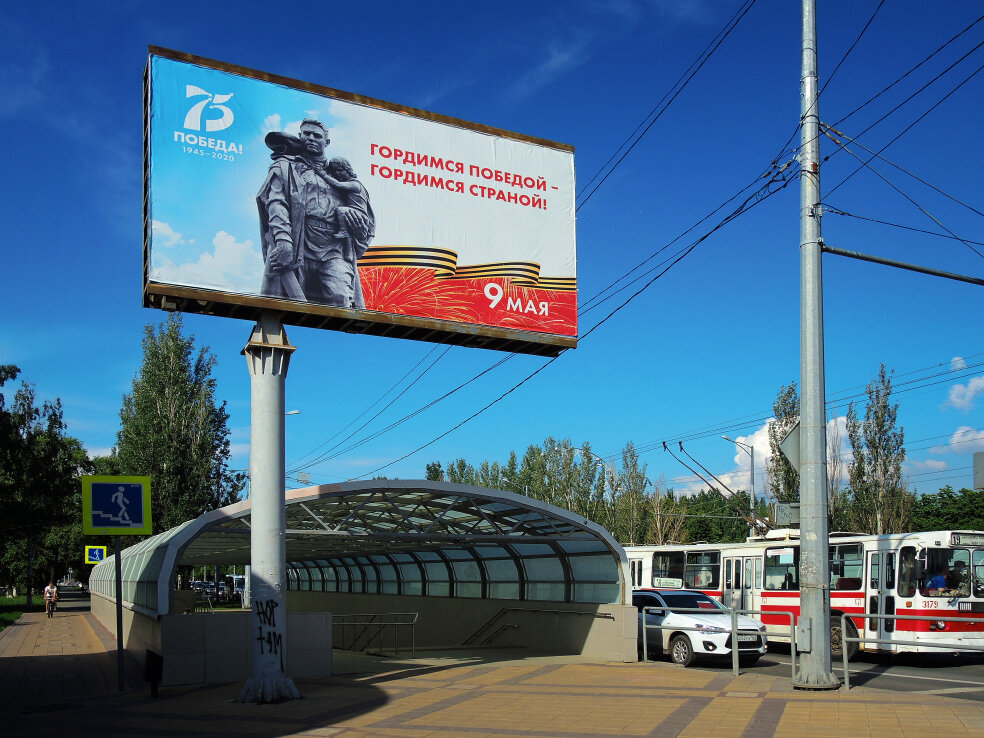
947 573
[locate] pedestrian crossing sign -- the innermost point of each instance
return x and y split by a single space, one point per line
94 554
116 506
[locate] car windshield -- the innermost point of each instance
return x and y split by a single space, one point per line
690 601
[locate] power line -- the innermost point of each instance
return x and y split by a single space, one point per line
917 120
376 402
679 256
900 190
832 210
936 52
758 419
698 63
689 75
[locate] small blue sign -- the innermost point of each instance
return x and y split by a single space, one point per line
94 554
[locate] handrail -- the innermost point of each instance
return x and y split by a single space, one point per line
410 620
501 628
504 610
928 644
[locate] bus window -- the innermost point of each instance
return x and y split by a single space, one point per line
907 572
947 572
845 566
978 574
889 573
758 573
668 569
727 574
703 570
782 568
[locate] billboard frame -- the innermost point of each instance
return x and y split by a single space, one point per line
249 307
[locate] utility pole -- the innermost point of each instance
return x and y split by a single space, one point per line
813 627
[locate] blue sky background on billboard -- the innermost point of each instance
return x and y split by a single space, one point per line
669 121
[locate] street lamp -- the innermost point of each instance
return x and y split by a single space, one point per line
750 450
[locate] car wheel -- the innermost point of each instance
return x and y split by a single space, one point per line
837 641
681 652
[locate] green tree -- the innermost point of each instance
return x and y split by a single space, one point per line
880 502
949 510
783 479
435 472
39 488
173 430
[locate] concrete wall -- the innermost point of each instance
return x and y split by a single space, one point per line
448 623
204 648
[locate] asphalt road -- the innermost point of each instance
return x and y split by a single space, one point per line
961 677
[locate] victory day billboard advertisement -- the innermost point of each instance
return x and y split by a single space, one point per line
263 189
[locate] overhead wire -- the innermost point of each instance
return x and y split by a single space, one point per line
685 79
324 455
829 209
655 107
839 399
680 255
729 27
784 151
917 120
675 258
379 399
898 189
678 87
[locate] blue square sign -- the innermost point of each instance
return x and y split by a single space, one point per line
116 505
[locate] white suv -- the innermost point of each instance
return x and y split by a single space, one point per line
686 635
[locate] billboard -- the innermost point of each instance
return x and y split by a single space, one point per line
340 211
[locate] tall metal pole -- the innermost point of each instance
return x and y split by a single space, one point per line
120 653
268 356
751 501
813 627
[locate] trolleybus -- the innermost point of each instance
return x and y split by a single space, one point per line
935 574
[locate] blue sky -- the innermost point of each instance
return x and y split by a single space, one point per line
699 353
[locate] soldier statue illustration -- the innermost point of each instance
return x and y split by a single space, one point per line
315 221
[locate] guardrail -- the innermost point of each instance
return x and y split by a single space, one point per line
929 644
376 627
734 631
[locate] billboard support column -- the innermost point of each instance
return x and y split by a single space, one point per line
268 356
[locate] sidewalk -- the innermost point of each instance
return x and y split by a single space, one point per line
58 677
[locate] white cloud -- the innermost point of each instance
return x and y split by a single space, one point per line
932 465
963 396
238 449
967 440
271 123
165 235
94 451
232 266
957 363
562 57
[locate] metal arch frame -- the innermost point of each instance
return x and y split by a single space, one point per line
542 523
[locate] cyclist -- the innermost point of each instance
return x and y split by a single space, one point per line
50 598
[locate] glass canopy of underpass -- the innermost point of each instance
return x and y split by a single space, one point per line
414 538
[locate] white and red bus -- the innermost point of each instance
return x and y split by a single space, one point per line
935 574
